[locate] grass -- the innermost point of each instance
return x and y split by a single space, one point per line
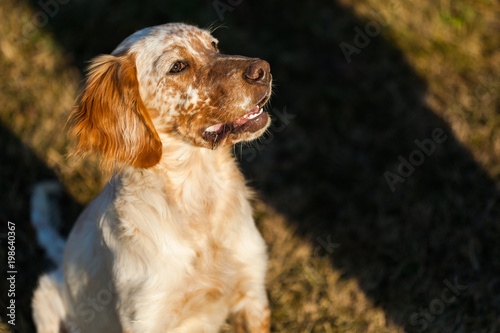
320 172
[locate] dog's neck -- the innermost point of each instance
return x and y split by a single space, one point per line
193 179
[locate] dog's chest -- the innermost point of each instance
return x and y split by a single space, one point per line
209 277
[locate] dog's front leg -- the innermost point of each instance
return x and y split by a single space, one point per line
251 305
142 311
255 316
141 294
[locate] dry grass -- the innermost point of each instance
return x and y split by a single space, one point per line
38 94
303 283
454 47
435 64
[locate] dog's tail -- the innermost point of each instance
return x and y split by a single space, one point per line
44 216
47 304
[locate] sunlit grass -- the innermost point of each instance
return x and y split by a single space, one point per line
454 46
38 96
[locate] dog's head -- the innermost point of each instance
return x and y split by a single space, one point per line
169 80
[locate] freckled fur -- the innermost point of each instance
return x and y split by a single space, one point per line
170 244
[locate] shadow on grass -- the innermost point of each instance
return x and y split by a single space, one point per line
20 170
325 168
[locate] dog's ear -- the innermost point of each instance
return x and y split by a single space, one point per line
111 118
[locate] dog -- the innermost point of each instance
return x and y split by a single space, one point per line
170 244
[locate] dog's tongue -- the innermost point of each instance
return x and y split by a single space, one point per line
214 128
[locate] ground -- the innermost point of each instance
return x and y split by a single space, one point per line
377 184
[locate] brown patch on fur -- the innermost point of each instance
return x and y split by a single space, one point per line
238 297
220 85
214 249
110 116
195 300
213 294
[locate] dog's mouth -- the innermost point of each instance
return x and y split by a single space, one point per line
251 122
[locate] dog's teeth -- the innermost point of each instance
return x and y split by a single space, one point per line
252 116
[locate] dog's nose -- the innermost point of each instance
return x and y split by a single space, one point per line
258 72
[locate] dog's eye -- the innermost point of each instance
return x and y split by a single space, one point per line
177 67
214 45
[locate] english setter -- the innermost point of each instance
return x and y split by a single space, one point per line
170 244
